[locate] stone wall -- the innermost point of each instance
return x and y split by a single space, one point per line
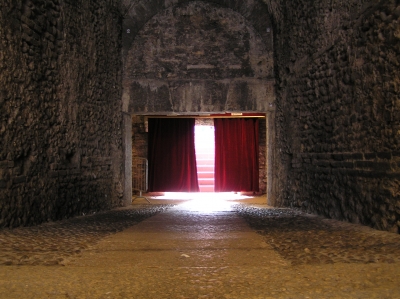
197 57
262 157
60 102
139 137
338 109
336 66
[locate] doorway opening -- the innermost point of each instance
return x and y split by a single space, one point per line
206 175
205 153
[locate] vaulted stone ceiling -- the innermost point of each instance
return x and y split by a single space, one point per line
198 35
137 12
197 56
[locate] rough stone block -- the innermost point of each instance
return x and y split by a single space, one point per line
337 157
19 179
381 166
369 156
347 156
357 156
323 163
365 164
384 155
348 165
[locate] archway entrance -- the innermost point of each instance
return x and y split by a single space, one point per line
198 58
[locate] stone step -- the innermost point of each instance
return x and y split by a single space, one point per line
206 181
206 188
205 168
206 155
205 175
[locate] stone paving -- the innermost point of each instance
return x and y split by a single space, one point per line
55 243
308 239
189 251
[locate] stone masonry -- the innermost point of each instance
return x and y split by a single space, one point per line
60 101
325 72
336 148
338 109
197 57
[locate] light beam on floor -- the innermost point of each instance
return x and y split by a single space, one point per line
203 201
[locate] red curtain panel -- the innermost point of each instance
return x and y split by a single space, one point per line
236 154
172 156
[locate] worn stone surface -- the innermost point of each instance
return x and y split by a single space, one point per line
139 136
138 12
262 156
58 243
60 99
338 110
309 239
204 249
336 151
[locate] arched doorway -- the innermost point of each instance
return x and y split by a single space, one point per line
198 58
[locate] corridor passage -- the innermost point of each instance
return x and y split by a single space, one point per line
230 249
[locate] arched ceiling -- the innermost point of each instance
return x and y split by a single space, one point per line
138 12
188 56
199 40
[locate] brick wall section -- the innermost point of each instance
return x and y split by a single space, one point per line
60 97
262 156
139 137
338 109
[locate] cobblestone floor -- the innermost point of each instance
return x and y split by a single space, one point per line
188 251
57 242
308 239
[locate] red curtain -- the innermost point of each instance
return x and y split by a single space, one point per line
172 156
236 154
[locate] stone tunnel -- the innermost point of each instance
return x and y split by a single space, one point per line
78 78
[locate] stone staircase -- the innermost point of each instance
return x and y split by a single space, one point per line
205 161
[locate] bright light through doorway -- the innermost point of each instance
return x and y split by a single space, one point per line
205 156
202 196
205 202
